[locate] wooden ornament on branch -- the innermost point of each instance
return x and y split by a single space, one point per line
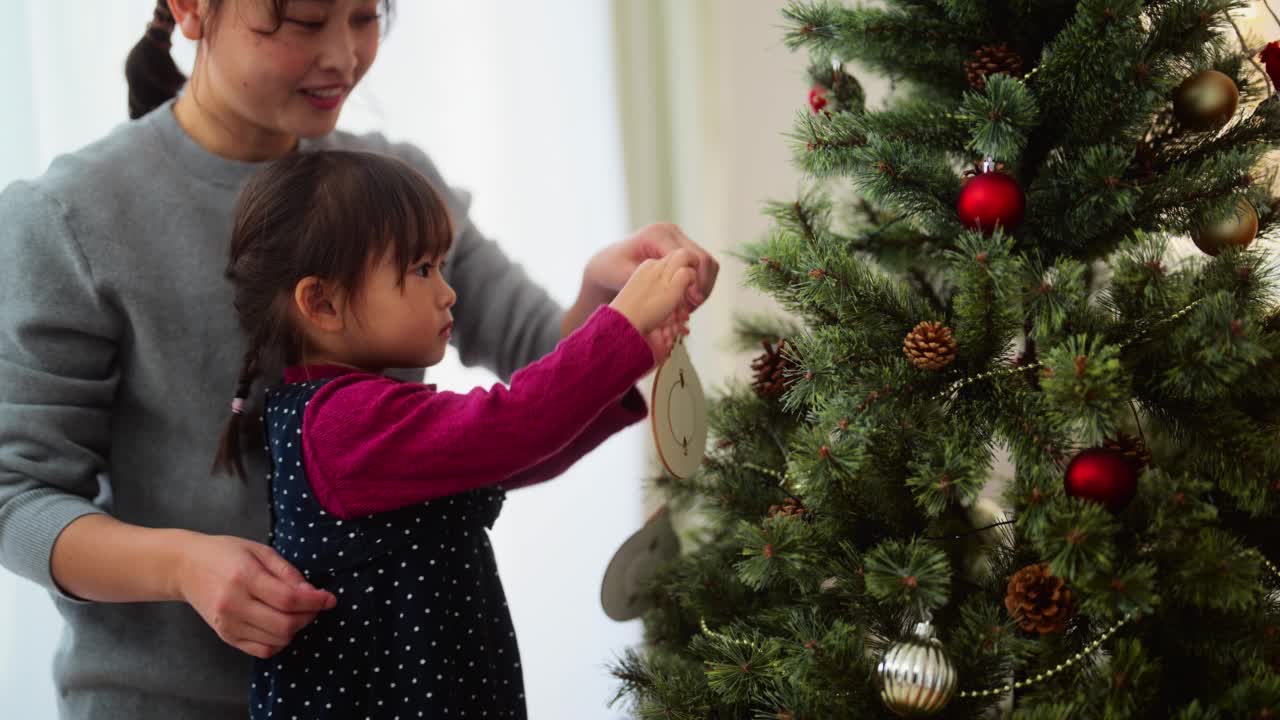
623 593
679 414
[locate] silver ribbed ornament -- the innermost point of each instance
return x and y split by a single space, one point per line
916 677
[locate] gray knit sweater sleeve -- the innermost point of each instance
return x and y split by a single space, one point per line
57 380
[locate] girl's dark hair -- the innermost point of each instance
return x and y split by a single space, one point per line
329 214
153 76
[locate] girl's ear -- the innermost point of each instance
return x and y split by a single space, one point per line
189 16
320 304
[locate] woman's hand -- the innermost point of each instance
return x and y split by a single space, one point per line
608 271
253 598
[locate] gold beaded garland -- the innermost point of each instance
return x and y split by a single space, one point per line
958 385
1041 676
1085 652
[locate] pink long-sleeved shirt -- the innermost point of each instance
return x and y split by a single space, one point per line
374 444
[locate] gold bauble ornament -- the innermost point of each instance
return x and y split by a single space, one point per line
1237 229
916 677
1206 100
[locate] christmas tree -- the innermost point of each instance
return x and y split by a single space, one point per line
987 270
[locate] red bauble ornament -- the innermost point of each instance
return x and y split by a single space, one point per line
1271 58
818 99
1103 475
990 199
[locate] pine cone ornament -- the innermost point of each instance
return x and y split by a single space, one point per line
1038 601
772 370
1131 447
930 346
789 508
990 60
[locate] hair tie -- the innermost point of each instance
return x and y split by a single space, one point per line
162 13
160 29
237 406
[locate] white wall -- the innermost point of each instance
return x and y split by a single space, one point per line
712 91
515 102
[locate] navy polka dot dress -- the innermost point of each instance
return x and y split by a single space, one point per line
421 628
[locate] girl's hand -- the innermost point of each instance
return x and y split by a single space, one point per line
663 339
253 598
651 299
610 268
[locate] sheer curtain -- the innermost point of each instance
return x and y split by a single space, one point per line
516 103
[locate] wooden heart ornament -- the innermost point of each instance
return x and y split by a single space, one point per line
622 594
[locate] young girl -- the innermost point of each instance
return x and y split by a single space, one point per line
382 490
118 342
